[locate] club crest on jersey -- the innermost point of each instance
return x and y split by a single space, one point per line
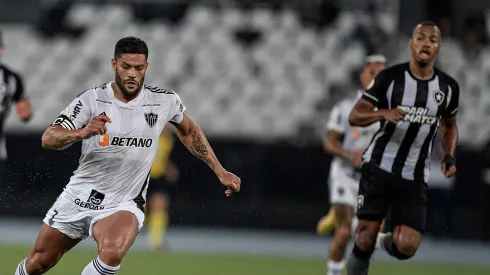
438 97
151 118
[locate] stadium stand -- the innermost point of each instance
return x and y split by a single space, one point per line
282 78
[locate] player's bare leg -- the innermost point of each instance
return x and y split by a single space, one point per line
343 220
50 246
358 263
114 236
403 243
157 220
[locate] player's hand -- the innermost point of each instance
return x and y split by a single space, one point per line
448 166
394 115
357 159
231 181
96 126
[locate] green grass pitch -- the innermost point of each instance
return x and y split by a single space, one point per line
170 263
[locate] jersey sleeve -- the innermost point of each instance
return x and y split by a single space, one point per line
178 111
453 104
19 93
77 114
376 90
336 120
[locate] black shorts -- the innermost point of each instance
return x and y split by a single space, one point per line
380 190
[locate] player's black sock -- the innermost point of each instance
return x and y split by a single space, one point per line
358 263
392 249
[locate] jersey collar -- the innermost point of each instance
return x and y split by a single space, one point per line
131 103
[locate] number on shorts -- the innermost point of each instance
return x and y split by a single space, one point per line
54 215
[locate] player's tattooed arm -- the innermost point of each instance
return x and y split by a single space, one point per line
191 135
58 138
449 135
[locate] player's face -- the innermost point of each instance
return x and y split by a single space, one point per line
130 72
425 43
370 71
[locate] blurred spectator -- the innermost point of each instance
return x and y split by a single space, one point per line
11 91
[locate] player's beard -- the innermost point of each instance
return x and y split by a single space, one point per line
125 92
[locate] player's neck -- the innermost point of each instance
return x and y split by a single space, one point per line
422 72
119 95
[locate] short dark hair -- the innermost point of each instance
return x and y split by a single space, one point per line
130 44
425 23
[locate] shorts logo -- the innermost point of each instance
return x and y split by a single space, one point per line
360 201
151 118
93 202
96 197
438 97
341 191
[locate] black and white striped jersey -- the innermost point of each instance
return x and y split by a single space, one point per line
404 149
11 90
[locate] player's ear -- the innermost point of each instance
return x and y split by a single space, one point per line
113 63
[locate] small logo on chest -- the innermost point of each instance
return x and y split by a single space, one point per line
151 118
438 97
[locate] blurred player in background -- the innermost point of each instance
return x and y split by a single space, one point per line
413 100
119 124
11 90
163 173
347 144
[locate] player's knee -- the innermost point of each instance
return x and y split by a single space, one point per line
111 252
366 238
405 249
41 262
342 235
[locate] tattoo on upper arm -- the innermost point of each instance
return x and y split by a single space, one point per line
201 150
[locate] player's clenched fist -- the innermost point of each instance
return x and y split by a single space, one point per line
394 115
96 126
231 181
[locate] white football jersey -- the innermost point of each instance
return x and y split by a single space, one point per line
355 138
115 167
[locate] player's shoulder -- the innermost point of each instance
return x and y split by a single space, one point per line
347 101
451 81
159 91
160 94
94 93
395 69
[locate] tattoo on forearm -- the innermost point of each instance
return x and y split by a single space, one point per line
200 148
59 140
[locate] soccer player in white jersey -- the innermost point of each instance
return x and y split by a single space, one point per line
119 124
347 144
